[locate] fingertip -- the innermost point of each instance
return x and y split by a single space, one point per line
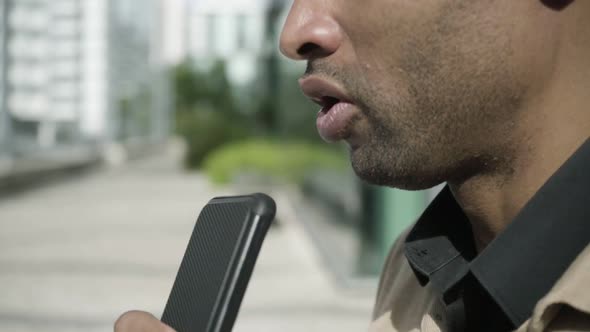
135 321
126 321
168 328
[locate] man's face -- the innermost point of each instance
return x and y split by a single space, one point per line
422 91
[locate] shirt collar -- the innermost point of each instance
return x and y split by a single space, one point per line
522 264
440 245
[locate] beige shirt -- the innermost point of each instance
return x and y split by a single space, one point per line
403 305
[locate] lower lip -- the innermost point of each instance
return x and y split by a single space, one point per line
334 123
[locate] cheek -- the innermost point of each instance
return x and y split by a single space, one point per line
375 28
376 49
384 100
534 44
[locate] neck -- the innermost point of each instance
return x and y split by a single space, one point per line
550 128
491 202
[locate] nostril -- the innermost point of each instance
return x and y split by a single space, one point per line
307 49
557 4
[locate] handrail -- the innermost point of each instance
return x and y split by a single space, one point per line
47 162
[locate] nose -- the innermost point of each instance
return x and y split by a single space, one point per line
310 31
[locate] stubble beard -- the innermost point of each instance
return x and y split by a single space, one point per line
447 116
395 154
442 114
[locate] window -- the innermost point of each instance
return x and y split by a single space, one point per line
242 27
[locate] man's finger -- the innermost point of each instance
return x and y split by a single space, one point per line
139 321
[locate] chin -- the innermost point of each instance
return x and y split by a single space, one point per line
376 169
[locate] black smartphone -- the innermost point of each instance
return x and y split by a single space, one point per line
218 262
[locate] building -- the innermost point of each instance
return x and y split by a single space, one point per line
4 118
78 72
205 31
231 30
174 32
124 55
77 77
43 73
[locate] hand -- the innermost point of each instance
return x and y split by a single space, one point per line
139 321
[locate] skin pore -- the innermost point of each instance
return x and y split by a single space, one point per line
490 96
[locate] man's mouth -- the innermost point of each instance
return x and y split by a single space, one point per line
337 112
327 103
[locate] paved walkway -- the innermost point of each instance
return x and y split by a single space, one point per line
76 254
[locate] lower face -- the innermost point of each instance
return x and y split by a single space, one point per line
435 84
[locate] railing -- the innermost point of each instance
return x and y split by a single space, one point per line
33 165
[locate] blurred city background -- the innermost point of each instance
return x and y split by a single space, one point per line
120 119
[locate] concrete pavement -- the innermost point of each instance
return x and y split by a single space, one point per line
76 254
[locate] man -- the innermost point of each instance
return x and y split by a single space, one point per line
491 97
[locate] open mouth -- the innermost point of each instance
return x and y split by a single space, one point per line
328 103
323 92
338 111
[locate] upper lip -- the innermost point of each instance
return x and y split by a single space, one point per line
322 91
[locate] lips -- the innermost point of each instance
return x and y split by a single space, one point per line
337 114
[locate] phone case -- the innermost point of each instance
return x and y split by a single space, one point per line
218 262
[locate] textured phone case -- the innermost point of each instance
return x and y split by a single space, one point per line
217 264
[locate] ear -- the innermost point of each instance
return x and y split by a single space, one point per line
557 4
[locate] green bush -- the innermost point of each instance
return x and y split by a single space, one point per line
205 131
286 161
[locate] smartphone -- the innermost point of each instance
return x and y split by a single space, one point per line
218 262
